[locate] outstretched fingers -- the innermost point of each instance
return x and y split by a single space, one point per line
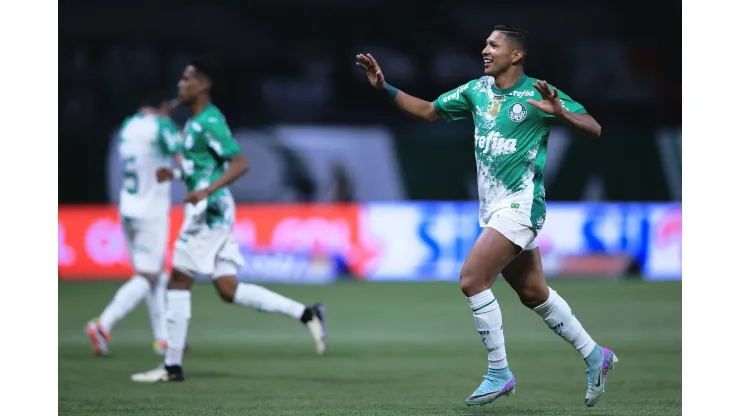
365 62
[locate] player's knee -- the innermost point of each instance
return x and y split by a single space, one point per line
226 288
471 281
179 281
226 295
534 295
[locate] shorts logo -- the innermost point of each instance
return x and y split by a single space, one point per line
517 112
515 205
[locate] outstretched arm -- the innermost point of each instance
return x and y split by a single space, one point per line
415 106
582 123
408 103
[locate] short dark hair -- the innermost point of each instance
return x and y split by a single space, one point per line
515 35
208 69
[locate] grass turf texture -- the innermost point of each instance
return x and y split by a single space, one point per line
393 349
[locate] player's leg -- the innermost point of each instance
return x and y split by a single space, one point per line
177 312
157 231
489 255
194 254
131 293
155 303
229 260
525 276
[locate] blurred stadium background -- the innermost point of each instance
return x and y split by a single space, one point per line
354 204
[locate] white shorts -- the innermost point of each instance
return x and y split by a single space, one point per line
146 240
521 235
207 252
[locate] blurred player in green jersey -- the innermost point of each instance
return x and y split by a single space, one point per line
212 160
512 114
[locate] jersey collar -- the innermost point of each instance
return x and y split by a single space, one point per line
518 84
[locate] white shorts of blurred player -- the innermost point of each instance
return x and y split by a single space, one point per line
207 252
521 235
146 240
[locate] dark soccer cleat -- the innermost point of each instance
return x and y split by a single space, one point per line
314 318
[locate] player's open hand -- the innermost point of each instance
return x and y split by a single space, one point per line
372 69
193 197
550 102
164 175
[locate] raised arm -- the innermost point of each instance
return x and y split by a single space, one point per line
412 105
561 108
408 103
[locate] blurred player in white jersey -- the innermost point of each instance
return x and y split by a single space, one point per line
147 140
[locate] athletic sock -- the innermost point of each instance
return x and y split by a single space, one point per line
155 302
264 300
489 323
557 315
178 318
125 300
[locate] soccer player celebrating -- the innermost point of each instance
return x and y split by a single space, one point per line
211 160
512 114
147 140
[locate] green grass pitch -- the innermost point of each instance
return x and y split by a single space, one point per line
393 349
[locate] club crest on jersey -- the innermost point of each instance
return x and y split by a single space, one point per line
517 112
495 108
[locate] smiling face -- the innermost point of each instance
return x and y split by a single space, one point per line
500 54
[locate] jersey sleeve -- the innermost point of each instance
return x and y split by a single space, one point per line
455 104
220 139
568 104
169 139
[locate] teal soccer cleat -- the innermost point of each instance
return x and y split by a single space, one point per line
598 364
495 384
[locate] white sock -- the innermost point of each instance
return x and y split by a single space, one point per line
264 300
557 315
155 302
178 318
488 321
127 297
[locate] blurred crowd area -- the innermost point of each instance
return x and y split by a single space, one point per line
293 62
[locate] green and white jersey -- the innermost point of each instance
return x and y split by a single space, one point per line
208 146
145 143
510 145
